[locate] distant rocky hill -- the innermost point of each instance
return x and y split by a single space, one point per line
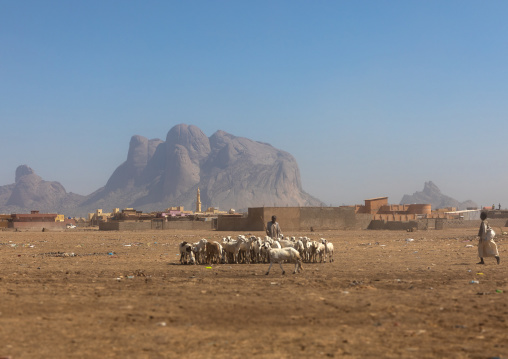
230 171
31 192
431 194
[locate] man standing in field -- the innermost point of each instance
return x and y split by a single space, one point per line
486 245
273 228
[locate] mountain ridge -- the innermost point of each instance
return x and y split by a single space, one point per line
231 172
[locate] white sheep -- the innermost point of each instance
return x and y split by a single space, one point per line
300 248
245 247
275 244
256 249
284 243
232 248
328 249
284 254
317 250
199 250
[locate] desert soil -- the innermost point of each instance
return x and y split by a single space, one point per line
125 295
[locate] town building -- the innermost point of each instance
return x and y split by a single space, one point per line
38 221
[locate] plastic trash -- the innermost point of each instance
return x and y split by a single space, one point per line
409 239
474 282
499 291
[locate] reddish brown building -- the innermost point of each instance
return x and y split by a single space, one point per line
37 221
381 210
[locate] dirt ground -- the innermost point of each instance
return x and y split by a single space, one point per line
125 295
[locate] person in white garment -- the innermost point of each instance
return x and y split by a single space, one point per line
486 245
273 228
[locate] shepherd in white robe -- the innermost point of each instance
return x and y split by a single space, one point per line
486 245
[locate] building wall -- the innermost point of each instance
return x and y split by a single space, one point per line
256 219
109 226
125 226
155 225
497 214
419 208
332 218
235 224
394 217
374 204
297 219
434 223
4 220
459 223
37 226
393 225
188 225
287 217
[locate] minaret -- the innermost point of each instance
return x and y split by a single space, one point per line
198 202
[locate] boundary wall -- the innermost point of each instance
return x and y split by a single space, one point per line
494 223
155 225
37 226
435 223
393 225
297 219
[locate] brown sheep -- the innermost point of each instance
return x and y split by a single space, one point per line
213 252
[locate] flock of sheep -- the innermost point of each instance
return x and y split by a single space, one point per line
253 249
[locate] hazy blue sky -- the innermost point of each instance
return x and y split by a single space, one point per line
372 98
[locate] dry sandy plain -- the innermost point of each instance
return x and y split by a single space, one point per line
124 295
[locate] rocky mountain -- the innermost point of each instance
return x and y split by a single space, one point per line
231 172
31 192
432 194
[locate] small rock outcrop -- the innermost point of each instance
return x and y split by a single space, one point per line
432 194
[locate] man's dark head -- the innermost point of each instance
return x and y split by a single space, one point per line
483 216
274 218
